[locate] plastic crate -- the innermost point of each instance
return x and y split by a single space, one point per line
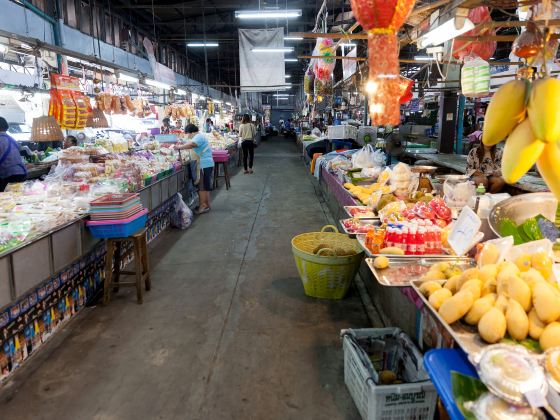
342 132
383 402
118 228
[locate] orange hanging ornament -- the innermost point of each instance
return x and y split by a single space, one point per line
382 19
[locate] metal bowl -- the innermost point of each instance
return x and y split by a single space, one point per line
522 207
421 169
452 177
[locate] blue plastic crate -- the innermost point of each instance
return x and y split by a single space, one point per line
119 230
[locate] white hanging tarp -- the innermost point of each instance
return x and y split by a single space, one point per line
261 71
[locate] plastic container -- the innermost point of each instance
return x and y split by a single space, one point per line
342 132
387 402
118 228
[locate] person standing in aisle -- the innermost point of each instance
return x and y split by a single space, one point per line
200 145
12 167
247 133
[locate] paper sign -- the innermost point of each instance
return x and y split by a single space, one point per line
464 232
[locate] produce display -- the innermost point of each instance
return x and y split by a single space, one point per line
518 299
83 174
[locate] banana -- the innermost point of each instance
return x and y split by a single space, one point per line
505 111
549 167
520 152
544 109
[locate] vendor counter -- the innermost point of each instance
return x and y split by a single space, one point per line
44 282
458 163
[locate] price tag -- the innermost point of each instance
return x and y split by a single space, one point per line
465 231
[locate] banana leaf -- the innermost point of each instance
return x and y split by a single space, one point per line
530 229
507 227
466 388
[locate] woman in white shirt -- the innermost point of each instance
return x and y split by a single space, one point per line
247 133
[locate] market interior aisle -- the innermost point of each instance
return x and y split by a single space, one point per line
225 333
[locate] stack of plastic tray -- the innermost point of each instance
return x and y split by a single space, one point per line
117 215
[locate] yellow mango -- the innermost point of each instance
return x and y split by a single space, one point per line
516 321
532 277
543 109
501 303
438 297
429 287
488 287
502 282
550 336
536 326
546 302
381 262
492 326
520 153
542 262
508 266
451 271
505 110
549 167
489 255
474 285
433 275
456 306
479 308
487 272
441 266
452 283
523 262
518 290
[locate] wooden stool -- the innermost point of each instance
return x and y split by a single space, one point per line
217 174
113 270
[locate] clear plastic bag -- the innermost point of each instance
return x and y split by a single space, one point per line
368 157
181 216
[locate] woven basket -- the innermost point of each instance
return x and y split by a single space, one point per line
97 119
46 129
326 276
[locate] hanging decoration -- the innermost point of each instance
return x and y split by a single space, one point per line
483 49
323 67
308 81
528 43
406 86
475 77
68 105
382 19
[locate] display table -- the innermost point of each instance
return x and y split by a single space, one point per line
458 163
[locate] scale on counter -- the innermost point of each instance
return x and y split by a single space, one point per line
424 177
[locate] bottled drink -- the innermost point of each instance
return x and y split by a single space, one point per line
421 241
412 245
438 245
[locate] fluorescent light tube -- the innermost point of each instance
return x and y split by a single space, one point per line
290 60
444 32
287 76
202 97
126 78
422 58
347 44
228 103
267 14
272 50
293 38
157 84
281 95
181 92
202 44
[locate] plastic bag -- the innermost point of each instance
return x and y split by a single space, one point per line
475 77
181 216
368 157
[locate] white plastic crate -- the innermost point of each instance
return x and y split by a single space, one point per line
342 132
383 402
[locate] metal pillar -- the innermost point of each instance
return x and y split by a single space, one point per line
447 121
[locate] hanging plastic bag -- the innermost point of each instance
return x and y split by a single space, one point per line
181 215
368 157
475 77
308 81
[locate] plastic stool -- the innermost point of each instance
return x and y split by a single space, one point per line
225 175
113 268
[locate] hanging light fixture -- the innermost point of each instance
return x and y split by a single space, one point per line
46 128
268 14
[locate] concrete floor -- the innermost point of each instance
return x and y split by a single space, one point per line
225 333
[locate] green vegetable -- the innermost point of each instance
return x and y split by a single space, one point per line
530 228
507 227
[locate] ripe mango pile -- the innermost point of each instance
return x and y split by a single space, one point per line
519 298
527 115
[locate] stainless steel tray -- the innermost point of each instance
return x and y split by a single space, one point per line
361 238
347 210
404 269
466 336
374 222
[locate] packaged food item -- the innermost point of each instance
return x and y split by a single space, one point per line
488 406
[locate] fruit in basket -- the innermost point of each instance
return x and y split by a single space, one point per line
456 306
439 296
546 301
550 336
489 255
429 287
543 109
536 326
516 320
381 262
492 326
523 262
479 308
520 291
541 262
521 152
475 287
391 250
387 377
505 111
